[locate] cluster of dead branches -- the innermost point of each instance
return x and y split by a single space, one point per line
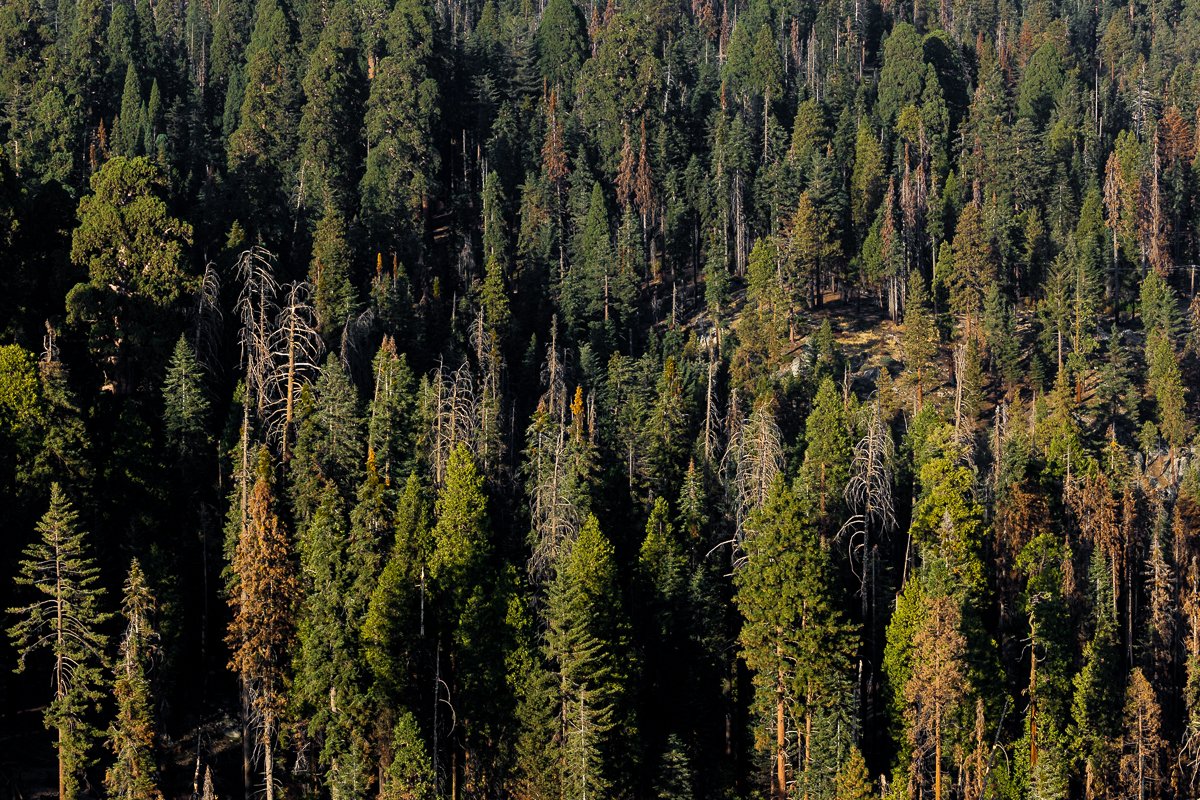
280 341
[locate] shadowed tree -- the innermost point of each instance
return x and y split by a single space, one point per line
133 734
263 596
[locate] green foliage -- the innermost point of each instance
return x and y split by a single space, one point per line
401 112
262 147
65 619
135 255
185 404
329 148
333 294
560 44
409 775
132 736
827 453
329 439
587 643
793 639
901 80
394 617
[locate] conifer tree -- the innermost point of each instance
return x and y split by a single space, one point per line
328 132
935 691
920 338
853 782
127 133
329 439
401 113
391 422
1141 764
66 620
185 403
973 269
262 148
587 643
828 453
409 775
395 616
263 595
329 274
793 639
133 736
560 45
327 682
587 288
134 251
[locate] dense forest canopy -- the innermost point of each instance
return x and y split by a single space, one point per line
414 399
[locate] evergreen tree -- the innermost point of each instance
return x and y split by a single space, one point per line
127 132
587 643
132 736
329 439
262 148
333 294
560 45
263 596
391 424
395 616
827 456
185 404
409 775
134 252
793 639
327 684
901 80
328 133
65 619
973 269
401 114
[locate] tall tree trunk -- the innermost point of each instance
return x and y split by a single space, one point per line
268 734
937 752
780 733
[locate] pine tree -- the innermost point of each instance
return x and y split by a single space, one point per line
66 619
1096 707
401 113
127 133
1141 765
185 404
329 274
391 423
935 691
263 596
920 339
867 181
560 45
409 775
973 269
586 289
395 616
853 781
793 639
262 148
327 685
329 439
587 643
901 81
828 453
808 250
133 735
328 133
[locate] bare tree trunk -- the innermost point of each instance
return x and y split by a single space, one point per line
268 734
